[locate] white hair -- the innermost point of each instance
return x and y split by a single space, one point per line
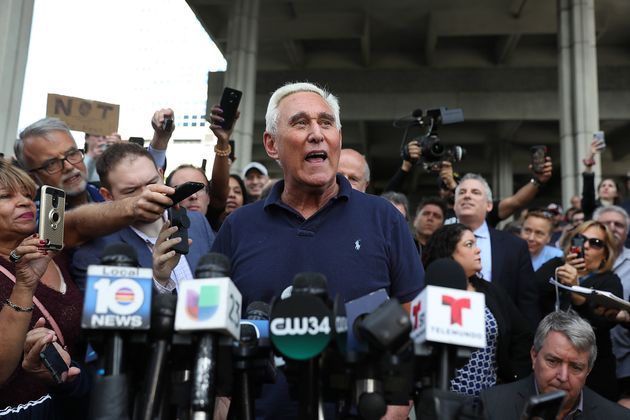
271 117
479 178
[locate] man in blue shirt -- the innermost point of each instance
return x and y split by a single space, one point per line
313 220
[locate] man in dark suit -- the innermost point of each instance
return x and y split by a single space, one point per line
563 354
505 259
125 170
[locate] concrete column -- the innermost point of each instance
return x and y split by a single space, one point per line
578 92
241 54
15 33
502 174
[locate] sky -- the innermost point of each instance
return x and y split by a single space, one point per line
140 54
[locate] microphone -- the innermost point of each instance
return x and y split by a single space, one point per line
117 298
210 303
162 320
300 325
300 329
445 312
253 362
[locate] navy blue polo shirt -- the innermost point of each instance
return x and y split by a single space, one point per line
360 242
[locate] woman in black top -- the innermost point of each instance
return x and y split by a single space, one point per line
513 341
592 271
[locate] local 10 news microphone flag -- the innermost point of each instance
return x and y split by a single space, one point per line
210 306
117 299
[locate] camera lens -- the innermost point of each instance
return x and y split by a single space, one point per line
55 201
54 216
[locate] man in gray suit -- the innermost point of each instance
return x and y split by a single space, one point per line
563 354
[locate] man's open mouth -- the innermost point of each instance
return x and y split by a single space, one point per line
316 156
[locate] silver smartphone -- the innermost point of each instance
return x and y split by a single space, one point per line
51 215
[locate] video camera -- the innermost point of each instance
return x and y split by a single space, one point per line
432 151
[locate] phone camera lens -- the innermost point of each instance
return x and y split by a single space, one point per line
55 201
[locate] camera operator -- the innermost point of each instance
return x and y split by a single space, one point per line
448 180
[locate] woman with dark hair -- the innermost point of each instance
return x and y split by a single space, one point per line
608 191
237 197
506 357
594 270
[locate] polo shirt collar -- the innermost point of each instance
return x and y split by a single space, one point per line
275 195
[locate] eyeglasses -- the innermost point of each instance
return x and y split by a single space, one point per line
614 223
53 166
595 242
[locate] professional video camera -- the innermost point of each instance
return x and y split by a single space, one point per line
432 150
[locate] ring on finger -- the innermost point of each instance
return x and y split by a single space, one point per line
14 257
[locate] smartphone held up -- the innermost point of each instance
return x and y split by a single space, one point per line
51 216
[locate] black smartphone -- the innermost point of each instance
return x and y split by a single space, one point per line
185 190
544 406
51 216
179 218
230 100
539 153
167 125
577 245
232 156
53 362
138 140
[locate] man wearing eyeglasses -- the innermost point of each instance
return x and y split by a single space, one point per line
49 153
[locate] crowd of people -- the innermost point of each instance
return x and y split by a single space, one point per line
316 218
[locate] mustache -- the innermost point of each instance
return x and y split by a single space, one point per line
74 172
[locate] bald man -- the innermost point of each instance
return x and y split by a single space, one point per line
354 167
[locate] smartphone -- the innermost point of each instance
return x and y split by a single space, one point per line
51 215
138 140
54 362
577 245
230 100
544 406
232 156
601 141
185 190
167 125
539 153
179 218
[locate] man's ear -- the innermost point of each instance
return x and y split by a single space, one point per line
489 206
271 145
533 353
106 194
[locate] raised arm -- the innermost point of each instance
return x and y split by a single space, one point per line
508 206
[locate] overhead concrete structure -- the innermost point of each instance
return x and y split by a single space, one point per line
498 60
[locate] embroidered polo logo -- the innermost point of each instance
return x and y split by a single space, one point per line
357 244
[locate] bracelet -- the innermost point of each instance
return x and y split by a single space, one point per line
18 308
535 182
221 152
588 162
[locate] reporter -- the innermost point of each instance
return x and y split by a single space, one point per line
592 271
34 283
506 356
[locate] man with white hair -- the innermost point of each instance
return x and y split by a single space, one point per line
314 221
504 257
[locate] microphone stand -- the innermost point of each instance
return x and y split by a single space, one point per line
204 383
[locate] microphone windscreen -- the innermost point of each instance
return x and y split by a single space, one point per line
120 254
213 265
310 283
258 311
445 272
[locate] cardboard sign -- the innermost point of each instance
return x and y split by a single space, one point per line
84 115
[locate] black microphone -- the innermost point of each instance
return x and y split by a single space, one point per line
446 272
204 385
253 362
117 276
162 320
300 329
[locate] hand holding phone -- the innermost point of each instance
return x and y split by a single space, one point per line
230 100
543 406
185 190
179 218
577 245
51 216
600 141
54 362
539 155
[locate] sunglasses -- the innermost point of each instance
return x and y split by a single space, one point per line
594 242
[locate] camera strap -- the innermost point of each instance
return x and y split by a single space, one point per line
41 308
